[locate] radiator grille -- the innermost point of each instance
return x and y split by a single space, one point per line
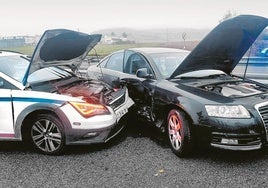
263 110
118 102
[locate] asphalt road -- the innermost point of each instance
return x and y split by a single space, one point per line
134 159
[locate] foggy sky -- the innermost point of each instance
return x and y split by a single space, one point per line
32 17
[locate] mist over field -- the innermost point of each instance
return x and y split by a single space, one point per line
157 34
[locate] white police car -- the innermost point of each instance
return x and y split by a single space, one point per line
44 103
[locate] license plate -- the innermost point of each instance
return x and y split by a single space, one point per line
121 113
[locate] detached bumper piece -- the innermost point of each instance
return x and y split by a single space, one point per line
241 142
115 131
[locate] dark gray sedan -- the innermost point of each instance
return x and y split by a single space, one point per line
192 96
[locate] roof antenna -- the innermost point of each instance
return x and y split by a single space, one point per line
244 76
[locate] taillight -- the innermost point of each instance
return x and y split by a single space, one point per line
88 110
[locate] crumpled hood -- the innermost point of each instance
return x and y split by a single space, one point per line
61 47
224 46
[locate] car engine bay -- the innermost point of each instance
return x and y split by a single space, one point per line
234 89
93 91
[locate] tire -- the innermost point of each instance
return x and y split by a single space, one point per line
47 134
179 133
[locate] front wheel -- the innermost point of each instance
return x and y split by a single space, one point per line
179 133
47 134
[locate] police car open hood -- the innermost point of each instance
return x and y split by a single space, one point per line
224 46
61 47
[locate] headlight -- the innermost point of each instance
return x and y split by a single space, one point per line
88 110
225 111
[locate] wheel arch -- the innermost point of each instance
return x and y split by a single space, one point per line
193 110
30 112
177 107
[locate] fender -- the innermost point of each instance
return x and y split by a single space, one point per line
40 106
198 115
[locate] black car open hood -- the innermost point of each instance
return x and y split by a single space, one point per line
61 47
224 46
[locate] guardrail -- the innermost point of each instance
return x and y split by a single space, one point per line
254 60
257 68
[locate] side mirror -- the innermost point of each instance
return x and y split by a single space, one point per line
143 73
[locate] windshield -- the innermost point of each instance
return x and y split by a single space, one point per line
14 66
168 62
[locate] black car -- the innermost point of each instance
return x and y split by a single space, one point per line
192 96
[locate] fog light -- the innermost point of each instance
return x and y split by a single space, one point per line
229 141
89 135
76 123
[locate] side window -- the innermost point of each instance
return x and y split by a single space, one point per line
103 62
5 84
135 61
115 62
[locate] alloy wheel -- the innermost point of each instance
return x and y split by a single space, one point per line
46 135
175 131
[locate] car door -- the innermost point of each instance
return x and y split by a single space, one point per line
123 66
141 90
6 112
110 70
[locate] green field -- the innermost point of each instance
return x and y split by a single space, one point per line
105 49
24 49
101 49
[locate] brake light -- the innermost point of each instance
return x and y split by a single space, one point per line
88 110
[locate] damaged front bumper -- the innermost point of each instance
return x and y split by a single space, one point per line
100 129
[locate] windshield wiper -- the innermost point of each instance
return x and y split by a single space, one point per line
186 77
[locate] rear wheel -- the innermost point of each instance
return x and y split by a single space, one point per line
179 133
47 134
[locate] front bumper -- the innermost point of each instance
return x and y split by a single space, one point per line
91 136
231 134
97 129
241 142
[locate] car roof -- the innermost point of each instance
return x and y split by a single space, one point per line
151 50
